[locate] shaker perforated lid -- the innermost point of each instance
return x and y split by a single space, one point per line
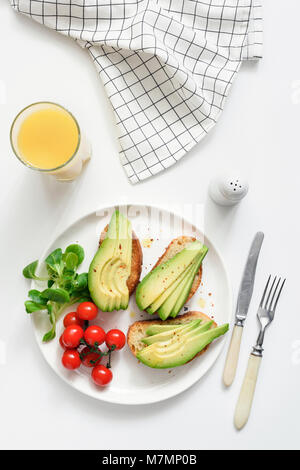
234 187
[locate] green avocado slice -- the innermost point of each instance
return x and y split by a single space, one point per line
99 292
158 280
108 284
166 294
108 273
183 295
172 344
166 335
110 281
162 355
155 329
175 302
123 253
111 266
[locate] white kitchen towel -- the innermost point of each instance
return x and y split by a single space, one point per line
167 65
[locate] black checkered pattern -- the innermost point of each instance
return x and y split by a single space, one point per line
167 65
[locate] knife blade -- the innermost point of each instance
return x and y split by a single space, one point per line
242 306
247 283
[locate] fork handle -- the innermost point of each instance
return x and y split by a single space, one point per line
244 403
232 355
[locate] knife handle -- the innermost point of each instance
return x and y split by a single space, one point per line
244 403
232 356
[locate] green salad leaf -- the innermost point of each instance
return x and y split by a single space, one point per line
61 296
71 261
81 282
77 250
65 286
31 306
36 296
29 271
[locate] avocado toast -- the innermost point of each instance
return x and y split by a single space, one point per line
176 245
136 260
174 279
171 343
115 269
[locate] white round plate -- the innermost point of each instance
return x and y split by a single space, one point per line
133 383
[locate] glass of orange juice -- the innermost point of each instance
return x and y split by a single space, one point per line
46 137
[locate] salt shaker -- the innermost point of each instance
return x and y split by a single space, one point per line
229 189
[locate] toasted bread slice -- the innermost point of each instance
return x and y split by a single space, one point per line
137 330
136 260
172 249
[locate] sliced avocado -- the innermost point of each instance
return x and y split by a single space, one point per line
99 293
158 280
177 299
183 296
165 295
172 343
111 266
155 329
162 356
183 290
112 273
123 253
166 335
108 285
160 328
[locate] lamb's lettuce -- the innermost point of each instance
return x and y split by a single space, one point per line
65 286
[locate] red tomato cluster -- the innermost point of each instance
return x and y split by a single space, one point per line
82 346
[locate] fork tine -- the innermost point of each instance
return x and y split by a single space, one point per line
263 296
273 296
279 294
269 294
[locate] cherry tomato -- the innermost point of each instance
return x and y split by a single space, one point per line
115 338
87 311
94 334
90 359
61 342
101 375
71 359
71 336
72 319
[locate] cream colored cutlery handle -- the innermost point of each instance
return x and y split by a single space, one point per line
244 403
232 355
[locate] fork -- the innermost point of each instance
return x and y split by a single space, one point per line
265 315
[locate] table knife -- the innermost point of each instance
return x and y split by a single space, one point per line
243 302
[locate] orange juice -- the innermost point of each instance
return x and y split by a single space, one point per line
48 138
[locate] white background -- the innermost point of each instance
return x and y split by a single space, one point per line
257 133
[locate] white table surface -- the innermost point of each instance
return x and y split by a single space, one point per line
257 133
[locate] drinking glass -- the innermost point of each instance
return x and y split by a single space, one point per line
70 169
